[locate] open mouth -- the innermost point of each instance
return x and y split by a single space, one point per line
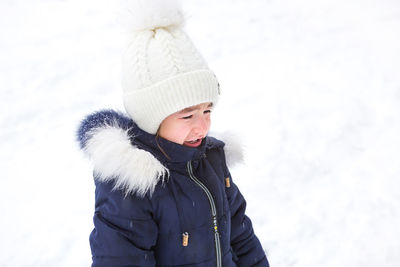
193 143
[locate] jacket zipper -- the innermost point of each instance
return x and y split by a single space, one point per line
213 212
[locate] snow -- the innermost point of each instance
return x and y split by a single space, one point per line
312 87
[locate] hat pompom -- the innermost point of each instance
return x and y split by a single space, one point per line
139 15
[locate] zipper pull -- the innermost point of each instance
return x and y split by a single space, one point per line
227 182
185 239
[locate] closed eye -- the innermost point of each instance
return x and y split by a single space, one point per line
187 117
208 111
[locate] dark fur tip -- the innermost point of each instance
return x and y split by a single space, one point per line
101 119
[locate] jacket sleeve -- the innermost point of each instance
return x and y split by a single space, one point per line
245 244
124 232
246 247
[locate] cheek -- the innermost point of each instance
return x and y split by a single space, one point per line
178 135
175 132
182 132
208 124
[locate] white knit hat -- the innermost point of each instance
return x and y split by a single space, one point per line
162 70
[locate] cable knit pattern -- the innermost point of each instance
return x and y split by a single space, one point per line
140 52
167 51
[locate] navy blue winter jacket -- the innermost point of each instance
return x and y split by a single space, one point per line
159 203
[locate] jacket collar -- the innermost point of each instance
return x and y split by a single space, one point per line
122 152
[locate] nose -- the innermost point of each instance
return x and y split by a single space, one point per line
201 126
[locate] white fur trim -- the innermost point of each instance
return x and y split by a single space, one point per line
115 158
138 15
233 149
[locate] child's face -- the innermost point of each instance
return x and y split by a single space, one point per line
187 127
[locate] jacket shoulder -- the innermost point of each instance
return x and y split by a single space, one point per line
105 137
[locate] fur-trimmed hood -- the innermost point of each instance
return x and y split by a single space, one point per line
117 146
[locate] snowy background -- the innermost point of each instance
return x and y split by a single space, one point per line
312 87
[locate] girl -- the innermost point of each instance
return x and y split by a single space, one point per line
164 194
